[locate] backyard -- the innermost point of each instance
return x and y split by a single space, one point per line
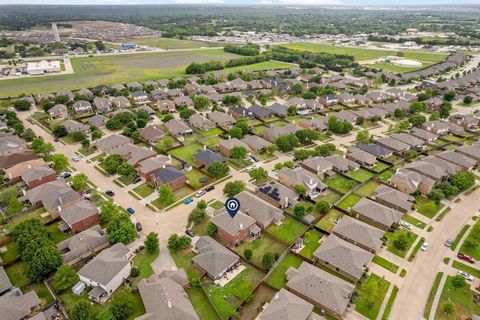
186 153
277 277
368 188
259 247
328 221
288 231
349 201
340 183
360 175
311 242
330 196
144 190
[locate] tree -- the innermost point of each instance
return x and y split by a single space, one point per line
201 102
126 169
45 259
400 113
291 111
166 195
444 112
287 143
211 229
112 162
236 132
300 189
434 116
462 180
458 282
151 243
338 126
7 193
41 147
78 136
80 182
417 120
401 242
59 161
121 229
238 153
418 107
272 148
14 206
22 105
467 100
122 303
268 260
176 242
322 206
82 310
302 154
107 210
233 187
96 134
448 308
260 175
307 136
65 278
449 96
28 135
196 215
218 169
436 195
300 210
363 137
248 253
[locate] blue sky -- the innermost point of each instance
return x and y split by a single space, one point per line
287 2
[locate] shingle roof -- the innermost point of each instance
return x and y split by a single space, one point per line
52 194
258 209
36 172
213 257
234 225
82 243
14 159
377 212
108 143
5 283
287 306
13 306
207 157
168 174
78 212
359 232
394 196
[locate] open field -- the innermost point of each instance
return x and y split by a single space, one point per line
169 43
111 69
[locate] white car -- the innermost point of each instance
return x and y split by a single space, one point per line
76 159
466 275
424 246
199 194
406 225
248 169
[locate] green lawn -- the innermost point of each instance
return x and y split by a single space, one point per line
311 242
409 236
42 292
143 261
213 142
390 303
390 67
11 253
330 196
258 129
170 43
473 238
229 297
461 266
259 247
16 274
380 166
277 277
194 177
360 175
213 132
392 267
58 235
288 231
386 175
266 65
427 207
183 259
328 221
415 250
144 190
368 188
431 295
35 214
178 195
349 201
459 237
186 153
340 183
461 298
414 221
217 204
370 296
202 306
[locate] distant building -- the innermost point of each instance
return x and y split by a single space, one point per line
129 45
42 67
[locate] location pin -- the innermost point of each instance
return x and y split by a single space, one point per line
232 205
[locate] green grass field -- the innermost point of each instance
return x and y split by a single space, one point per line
277 278
288 231
370 296
409 236
169 43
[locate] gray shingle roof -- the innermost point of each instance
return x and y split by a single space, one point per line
213 257
168 174
82 243
258 209
5 283
13 306
78 212
360 232
234 225
287 306
377 212
207 157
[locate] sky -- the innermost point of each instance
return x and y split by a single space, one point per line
266 2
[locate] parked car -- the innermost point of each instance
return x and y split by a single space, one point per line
138 226
76 159
199 194
65 175
448 243
88 191
188 201
464 257
466 275
406 225
136 180
190 233
209 188
130 210
424 246
251 168
110 193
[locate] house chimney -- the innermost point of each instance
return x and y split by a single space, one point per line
204 147
241 226
60 200
286 201
310 181
277 296
318 168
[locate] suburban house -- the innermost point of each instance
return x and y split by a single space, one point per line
183 101
359 233
361 157
425 135
436 127
59 111
83 245
302 177
447 166
376 214
263 212
341 164
260 112
322 289
79 216
134 86
328 99
108 144
11 144
213 258
318 124
273 133
226 146
346 98
396 145
165 105
133 154
409 139
317 165
102 104
82 106
146 168
165 298
277 194
221 119
5 284
255 143
240 112
205 157
287 306
393 198
236 229
346 116
470 151
378 151
343 257
74 126
97 121
178 129
106 272
409 181
16 305
199 121
433 171
37 175
434 104
279 110
14 172
140 97
121 102
459 159
151 133
169 176
12 160
467 121
67 93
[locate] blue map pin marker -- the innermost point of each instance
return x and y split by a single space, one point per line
232 205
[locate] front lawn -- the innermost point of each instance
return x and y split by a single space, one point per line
277 278
368 188
328 221
183 259
360 175
259 247
370 296
459 237
401 250
470 245
384 263
144 190
414 221
349 201
186 153
217 205
143 261
178 195
431 295
462 300
340 183
461 266
288 231
427 207
311 242
228 298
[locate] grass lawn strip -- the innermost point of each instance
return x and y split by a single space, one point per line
368 188
144 190
461 266
259 247
390 302
200 303
143 261
349 201
415 250
470 245
340 183
392 267
277 277
360 175
431 295
370 296
459 237
414 221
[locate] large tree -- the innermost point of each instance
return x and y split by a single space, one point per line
64 278
151 243
166 195
80 182
123 303
121 229
233 187
82 310
218 169
60 161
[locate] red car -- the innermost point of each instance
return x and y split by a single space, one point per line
466 258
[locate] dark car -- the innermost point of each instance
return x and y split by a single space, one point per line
209 188
137 180
110 193
138 226
130 210
190 233
88 191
